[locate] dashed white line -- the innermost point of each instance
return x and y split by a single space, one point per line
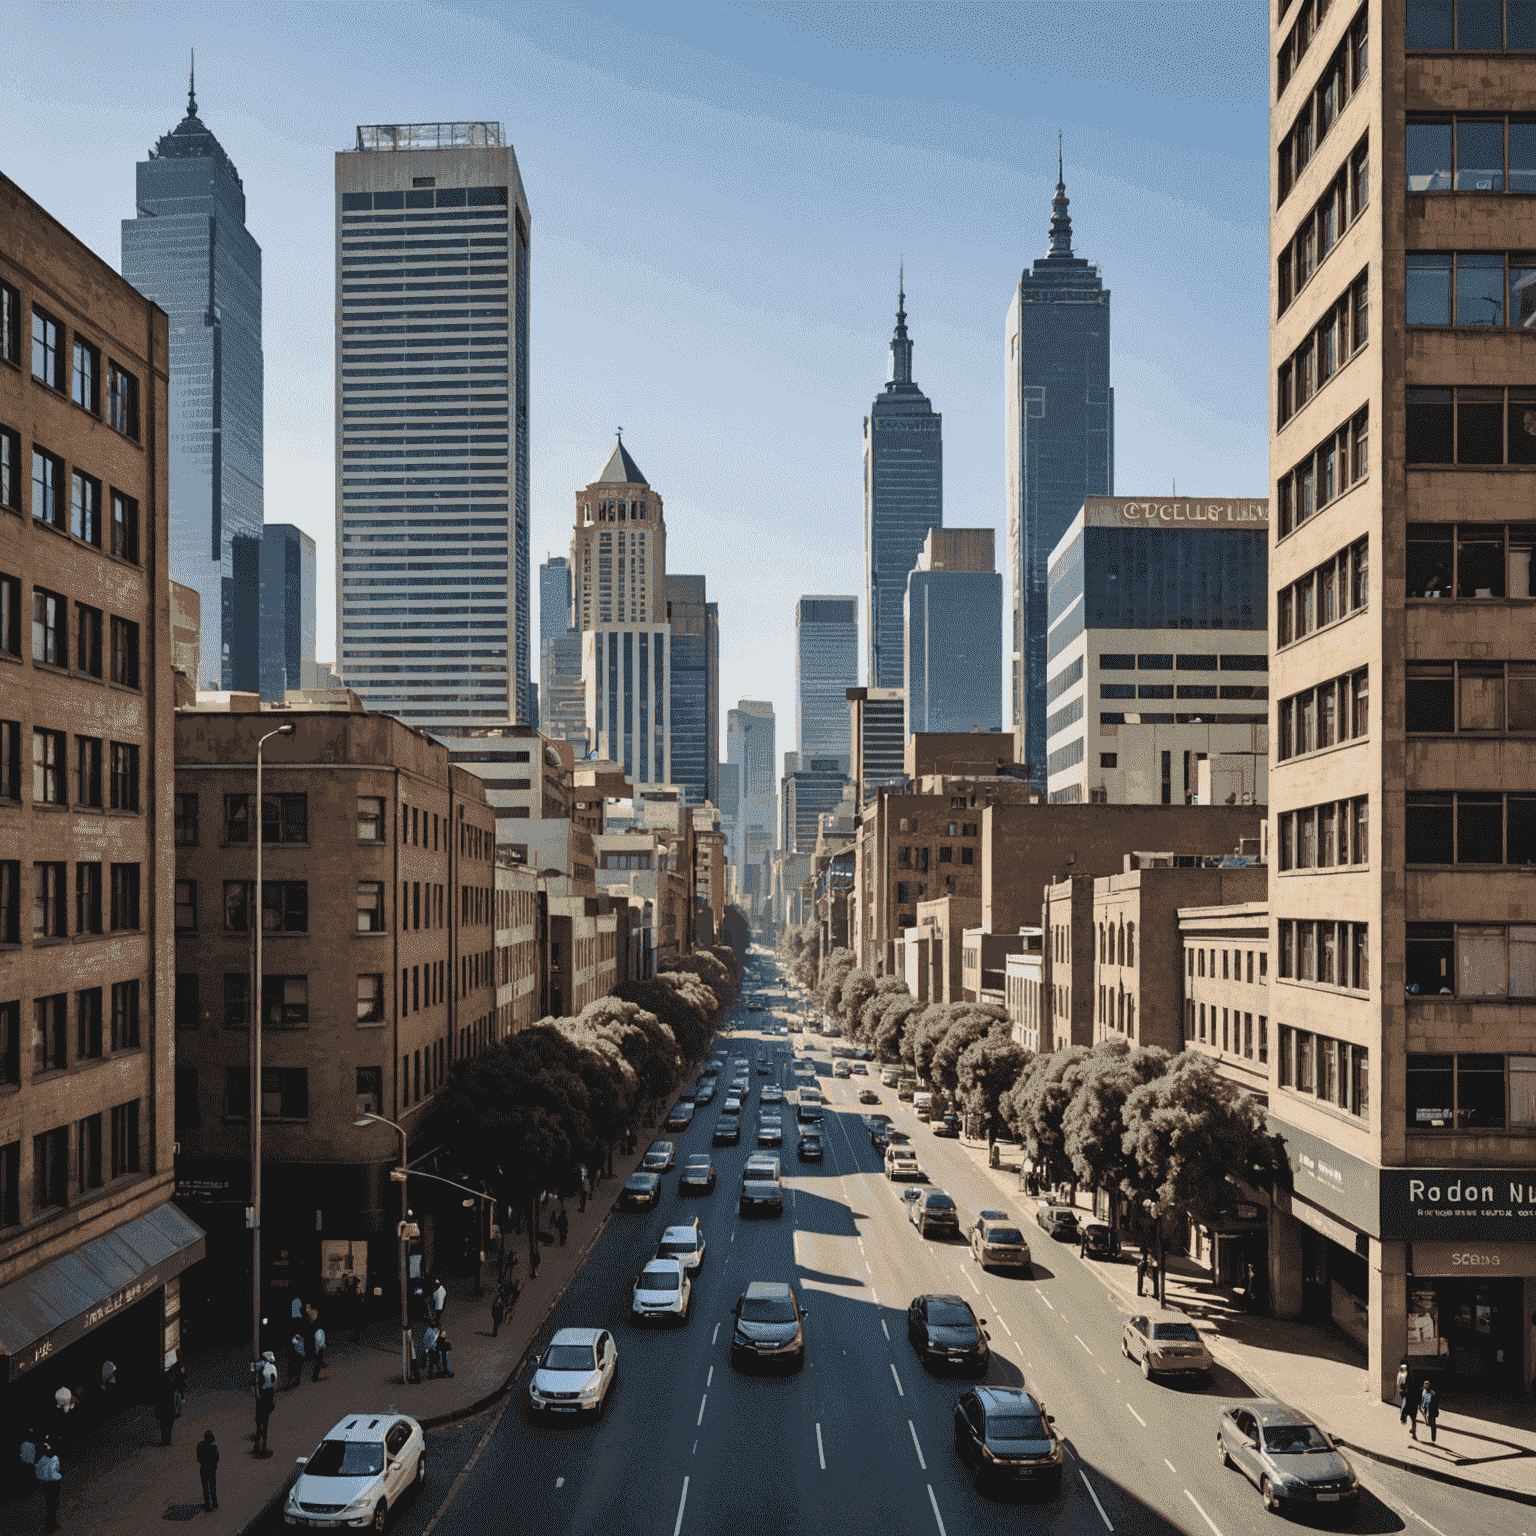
1170 1466
886 1331
1006 1328
682 1504
916 1447
1193 1500
1102 1516
559 1482
1139 1420
971 1282
700 1418
897 1380
821 1454
1046 1299
709 1380
936 1515
716 1334
1079 1339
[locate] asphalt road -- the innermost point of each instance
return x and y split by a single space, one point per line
860 1441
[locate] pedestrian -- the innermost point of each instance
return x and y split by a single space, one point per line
1141 1272
266 1396
562 1224
439 1301
208 1469
581 1194
296 1360
165 1409
319 1344
445 1355
498 1314
50 1476
429 1349
1407 1401
26 1467
533 1262
1429 1406
297 1310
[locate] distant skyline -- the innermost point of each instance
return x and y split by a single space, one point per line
787 158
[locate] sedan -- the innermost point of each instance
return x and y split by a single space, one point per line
1098 1242
761 1196
1287 1457
705 1092
772 1094
685 1243
576 1373
1165 1344
641 1192
944 1332
358 1472
868 1096
859 1069
662 1293
741 1084
1005 1438
659 1157
727 1129
810 1150
1000 1245
764 1068
698 1176
681 1117
948 1126
934 1213
770 1133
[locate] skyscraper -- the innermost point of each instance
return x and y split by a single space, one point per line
562 703
750 745
877 728
695 686
554 598
287 610
903 499
954 623
188 249
826 667
1060 443
432 576
618 547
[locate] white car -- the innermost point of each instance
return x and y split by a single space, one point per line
662 1293
357 1474
575 1373
684 1243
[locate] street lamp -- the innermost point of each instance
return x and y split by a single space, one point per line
253 1215
399 1176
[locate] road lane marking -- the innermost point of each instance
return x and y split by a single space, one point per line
897 1380
1079 1339
700 1418
971 1282
1006 1328
695 1450
1138 1418
682 1504
1193 1500
936 1515
716 1334
916 1447
1041 1294
709 1380
559 1482
1102 1516
820 1452
1170 1466
886 1331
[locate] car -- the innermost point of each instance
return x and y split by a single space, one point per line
641 1192
810 1148
859 1069
680 1117
883 1137
698 1176
768 1162
901 1163
576 1372
705 1092
935 1213
761 1194
684 1242
754 1007
841 1069
659 1157
358 1472
1165 1343
662 1293
769 1327
727 1131
772 1094
1005 1439
711 1069
1098 1242
889 1077
809 1111
770 1133
1059 1220
946 1335
764 1068
912 1192
872 1123
922 1105
1287 1457
741 1084
868 1096
1000 1245
906 1089
948 1126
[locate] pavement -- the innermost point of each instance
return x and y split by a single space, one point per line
120 1478
1487 1444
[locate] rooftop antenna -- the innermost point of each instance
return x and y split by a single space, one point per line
192 87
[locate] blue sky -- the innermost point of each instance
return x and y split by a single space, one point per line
721 194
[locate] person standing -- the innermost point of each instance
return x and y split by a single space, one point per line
439 1302
1429 1406
296 1360
1406 1403
48 1473
498 1314
208 1469
319 1343
266 1395
1141 1272
165 1409
562 1224
445 1354
429 1349
26 1467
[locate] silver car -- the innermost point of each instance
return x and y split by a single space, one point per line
1165 1344
685 1243
358 1472
575 1374
662 1292
1287 1457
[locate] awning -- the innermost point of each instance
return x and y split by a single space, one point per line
62 1301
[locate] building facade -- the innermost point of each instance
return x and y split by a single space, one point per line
187 248
903 499
618 548
1060 434
811 788
1157 653
750 746
432 575
554 599
695 726
877 728
287 652
1227 989
626 672
826 667
953 617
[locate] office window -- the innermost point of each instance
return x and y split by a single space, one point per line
188 1117
87 898
125 1015
370 906
48 914
284 1002
370 819
48 488
237 1000
370 998
85 508
49 642
125 652
285 906
85 377
10 615
125 1139
88 1024
50 1043
284 818
88 1153
50 1169
10 324
189 1006
123 400
125 897
10 469
186 906
10 1184
370 1090
125 527
47 350
186 821
10 903
87 640
125 776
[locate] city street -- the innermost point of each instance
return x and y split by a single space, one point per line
861 1439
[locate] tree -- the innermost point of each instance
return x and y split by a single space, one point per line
986 1069
1040 1101
886 987
857 989
647 1044
683 1004
1093 1127
968 1023
896 1013
932 1026
829 982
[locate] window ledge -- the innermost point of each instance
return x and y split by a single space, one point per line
1471 602
1471 469
1330 628
373 933
1312 757
7 656
1333 1111
1324 869
1328 988
126 688
1455 997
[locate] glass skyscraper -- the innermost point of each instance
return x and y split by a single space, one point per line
188 249
903 499
1061 446
954 614
750 745
695 686
826 667
554 598
432 574
287 610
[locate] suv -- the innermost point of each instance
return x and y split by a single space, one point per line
358 1472
901 1163
1059 1220
685 1243
935 1212
996 1243
768 1327
922 1105
681 1116
662 1293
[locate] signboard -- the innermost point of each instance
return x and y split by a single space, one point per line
1343 1185
1459 1205
1480 1260
1175 512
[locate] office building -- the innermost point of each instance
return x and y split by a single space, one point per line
562 693
554 598
618 548
92 1252
695 717
953 614
187 248
812 787
626 674
1060 435
287 610
826 667
432 577
750 746
1157 653
903 499
730 805
877 729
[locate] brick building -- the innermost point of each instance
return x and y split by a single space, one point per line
1227 991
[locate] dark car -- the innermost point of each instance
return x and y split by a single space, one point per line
681 1116
810 1150
1287 1457
697 1177
809 1113
1098 1242
1006 1440
768 1327
641 1192
948 1126
727 1131
944 1332
883 1137
934 1214
761 1197
868 1096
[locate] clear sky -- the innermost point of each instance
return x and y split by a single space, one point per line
721 194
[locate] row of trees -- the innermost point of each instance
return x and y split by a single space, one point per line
1167 1132
529 1114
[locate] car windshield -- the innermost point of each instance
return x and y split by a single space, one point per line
950 1314
698 1165
676 1249
658 1280
346 1458
767 1309
1015 1426
568 1357
940 1203
639 1181
1005 1235
1182 1331
1294 1437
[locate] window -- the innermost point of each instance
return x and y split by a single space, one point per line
48 638
88 1024
10 324
85 508
186 821
284 1093
285 906
370 1090
1331 954
370 998
1471 154
123 401
284 818
284 1002
10 903
125 897
10 469
10 1042
10 615
50 1169
1470 561
1335 339
85 379
1337 464
1474 960
48 915
88 640
1331 713
125 776
1470 697
125 528
370 819
1332 591
49 1041
370 906
1441 25
125 1139
125 652
186 906
87 898
125 1015
189 1007
48 488
237 1000
47 350
48 767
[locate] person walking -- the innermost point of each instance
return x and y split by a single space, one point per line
319 1345
429 1349
445 1354
1429 1407
581 1193
498 1314
297 1309
266 1395
51 1477
296 1360
1141 1272
562 1224
208 1469
439 1302
165 1409
1407 1405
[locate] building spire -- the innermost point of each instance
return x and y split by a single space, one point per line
1061 221
901 345
192 87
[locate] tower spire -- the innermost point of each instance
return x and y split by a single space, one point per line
901 345
1061 220
192 87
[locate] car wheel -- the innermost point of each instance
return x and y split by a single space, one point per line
421 1469
1221 1451
1271 1498
380 1516
1146 1367
1123 1350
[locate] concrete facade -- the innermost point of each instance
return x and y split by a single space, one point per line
1226 979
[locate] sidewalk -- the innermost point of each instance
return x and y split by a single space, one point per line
1487 1444
120 1478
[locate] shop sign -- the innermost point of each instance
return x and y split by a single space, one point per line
1459 1205
1477 1260
1343 1185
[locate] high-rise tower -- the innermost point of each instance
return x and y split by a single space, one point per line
903 499
1060 444
432 577
826 667
188 249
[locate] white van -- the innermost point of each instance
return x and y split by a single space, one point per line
922 1105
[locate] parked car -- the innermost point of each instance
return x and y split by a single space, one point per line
889 1077
641 1192
659 1157
698 1176
1098 1242
883 1138
768 1327
841 1069
906 1089
1287 1457
868 1096
999 1244
810 1149
575 1374
1165 1343
1059 1220
946 1335
359 1471
1005 1439
949 1126
680 1117
705 1092
859 1069
727 1130
934 1214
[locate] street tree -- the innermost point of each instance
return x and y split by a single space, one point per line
1093 1126
857 989
1040 1101
968 1023
987 1068
834 968
895 1013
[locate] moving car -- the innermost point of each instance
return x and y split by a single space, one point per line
841 1069
1287 1457
358 1472
704 1092
948 1126
680 1117
810 1149
761 1194
772 1094
944 1332
1098 1242
901 1163
727 1129
685 1243
868 1096
935 1213
575 1374
712 1069
741 1084
1059 1220
764 1068
662 1293
732 1105
1165 1343
698 1175
906 1088
641 1192
922 1105
999 1244
770 1131
768 1327
1006 1439
659 1157
808 1111
859 1069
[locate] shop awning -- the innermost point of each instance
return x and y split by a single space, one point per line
63 1300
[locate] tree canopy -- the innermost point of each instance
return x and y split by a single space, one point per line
1093 1127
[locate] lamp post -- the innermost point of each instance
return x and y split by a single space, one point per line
253 1214
399 1176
